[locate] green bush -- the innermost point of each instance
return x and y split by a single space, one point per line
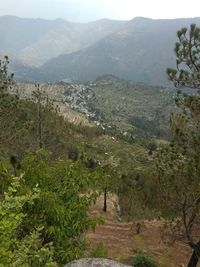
60 211
141 260
99 251
26 250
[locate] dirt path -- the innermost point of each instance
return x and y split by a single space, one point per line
120 239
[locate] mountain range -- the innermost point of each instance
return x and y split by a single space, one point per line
140 49
35 41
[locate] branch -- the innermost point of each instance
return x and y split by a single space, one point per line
190 54
189 238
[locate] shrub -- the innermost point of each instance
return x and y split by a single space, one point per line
60 211
26 250
99 251
141 260
73 154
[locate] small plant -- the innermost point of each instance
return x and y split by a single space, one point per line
141 260
99 251
73 154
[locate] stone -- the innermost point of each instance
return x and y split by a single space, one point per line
95 262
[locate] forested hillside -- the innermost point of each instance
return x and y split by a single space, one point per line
129 109
37 146
132 108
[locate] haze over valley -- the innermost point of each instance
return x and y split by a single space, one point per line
140 49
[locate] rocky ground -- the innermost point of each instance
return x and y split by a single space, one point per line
95 263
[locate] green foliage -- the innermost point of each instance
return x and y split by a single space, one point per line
144 125
136 195
19 133
187 51
7 104
65 197
99 251
178 175
152 146
60 211
25 250
91 163
178 164
73 153
33 118
6 80
55 221
141 260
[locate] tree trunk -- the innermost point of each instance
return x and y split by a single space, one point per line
38 96
105 200
195 256
39 124
15 170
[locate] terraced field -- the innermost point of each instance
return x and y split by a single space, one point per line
120 238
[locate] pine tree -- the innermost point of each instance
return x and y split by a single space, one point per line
178 164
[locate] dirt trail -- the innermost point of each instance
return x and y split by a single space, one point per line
120 239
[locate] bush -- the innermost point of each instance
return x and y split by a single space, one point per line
61 209
26 250
73 154
141 260
99 251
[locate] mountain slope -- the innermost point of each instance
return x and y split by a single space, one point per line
141 51
123 108
132 108
34 41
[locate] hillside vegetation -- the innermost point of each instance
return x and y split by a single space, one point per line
137 109
51 172
127 109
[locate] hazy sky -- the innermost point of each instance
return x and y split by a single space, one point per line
88 10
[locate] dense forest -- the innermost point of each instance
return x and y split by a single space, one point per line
52 171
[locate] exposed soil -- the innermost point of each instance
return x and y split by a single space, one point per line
120 238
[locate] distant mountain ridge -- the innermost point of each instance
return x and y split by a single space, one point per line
140 49
34 41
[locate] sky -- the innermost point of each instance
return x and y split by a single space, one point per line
89 10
